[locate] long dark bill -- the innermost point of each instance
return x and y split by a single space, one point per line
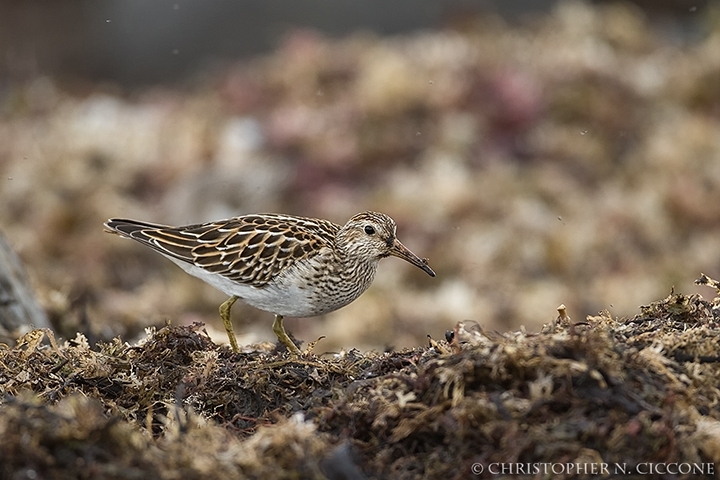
399 250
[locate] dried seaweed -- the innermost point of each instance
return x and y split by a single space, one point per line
177 405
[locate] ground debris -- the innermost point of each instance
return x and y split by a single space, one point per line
178 406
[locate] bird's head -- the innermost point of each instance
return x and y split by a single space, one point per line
372 236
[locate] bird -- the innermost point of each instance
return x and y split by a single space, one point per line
282 264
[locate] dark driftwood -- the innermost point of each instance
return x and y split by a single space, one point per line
18 306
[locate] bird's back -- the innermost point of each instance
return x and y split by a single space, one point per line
250 250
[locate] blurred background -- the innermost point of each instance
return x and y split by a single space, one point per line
538 153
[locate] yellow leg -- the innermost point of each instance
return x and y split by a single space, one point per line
225 315
283 336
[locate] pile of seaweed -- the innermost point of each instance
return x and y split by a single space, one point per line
176 405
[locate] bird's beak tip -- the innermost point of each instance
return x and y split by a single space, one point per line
401 251
426 268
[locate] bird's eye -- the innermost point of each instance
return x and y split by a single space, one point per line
369 230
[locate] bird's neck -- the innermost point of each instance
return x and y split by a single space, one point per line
356 268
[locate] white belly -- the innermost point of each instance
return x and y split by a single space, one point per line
290 294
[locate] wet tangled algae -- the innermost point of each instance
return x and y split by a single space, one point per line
178 406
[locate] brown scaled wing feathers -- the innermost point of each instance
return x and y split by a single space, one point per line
249 249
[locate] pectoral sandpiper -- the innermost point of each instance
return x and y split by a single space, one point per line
285 265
